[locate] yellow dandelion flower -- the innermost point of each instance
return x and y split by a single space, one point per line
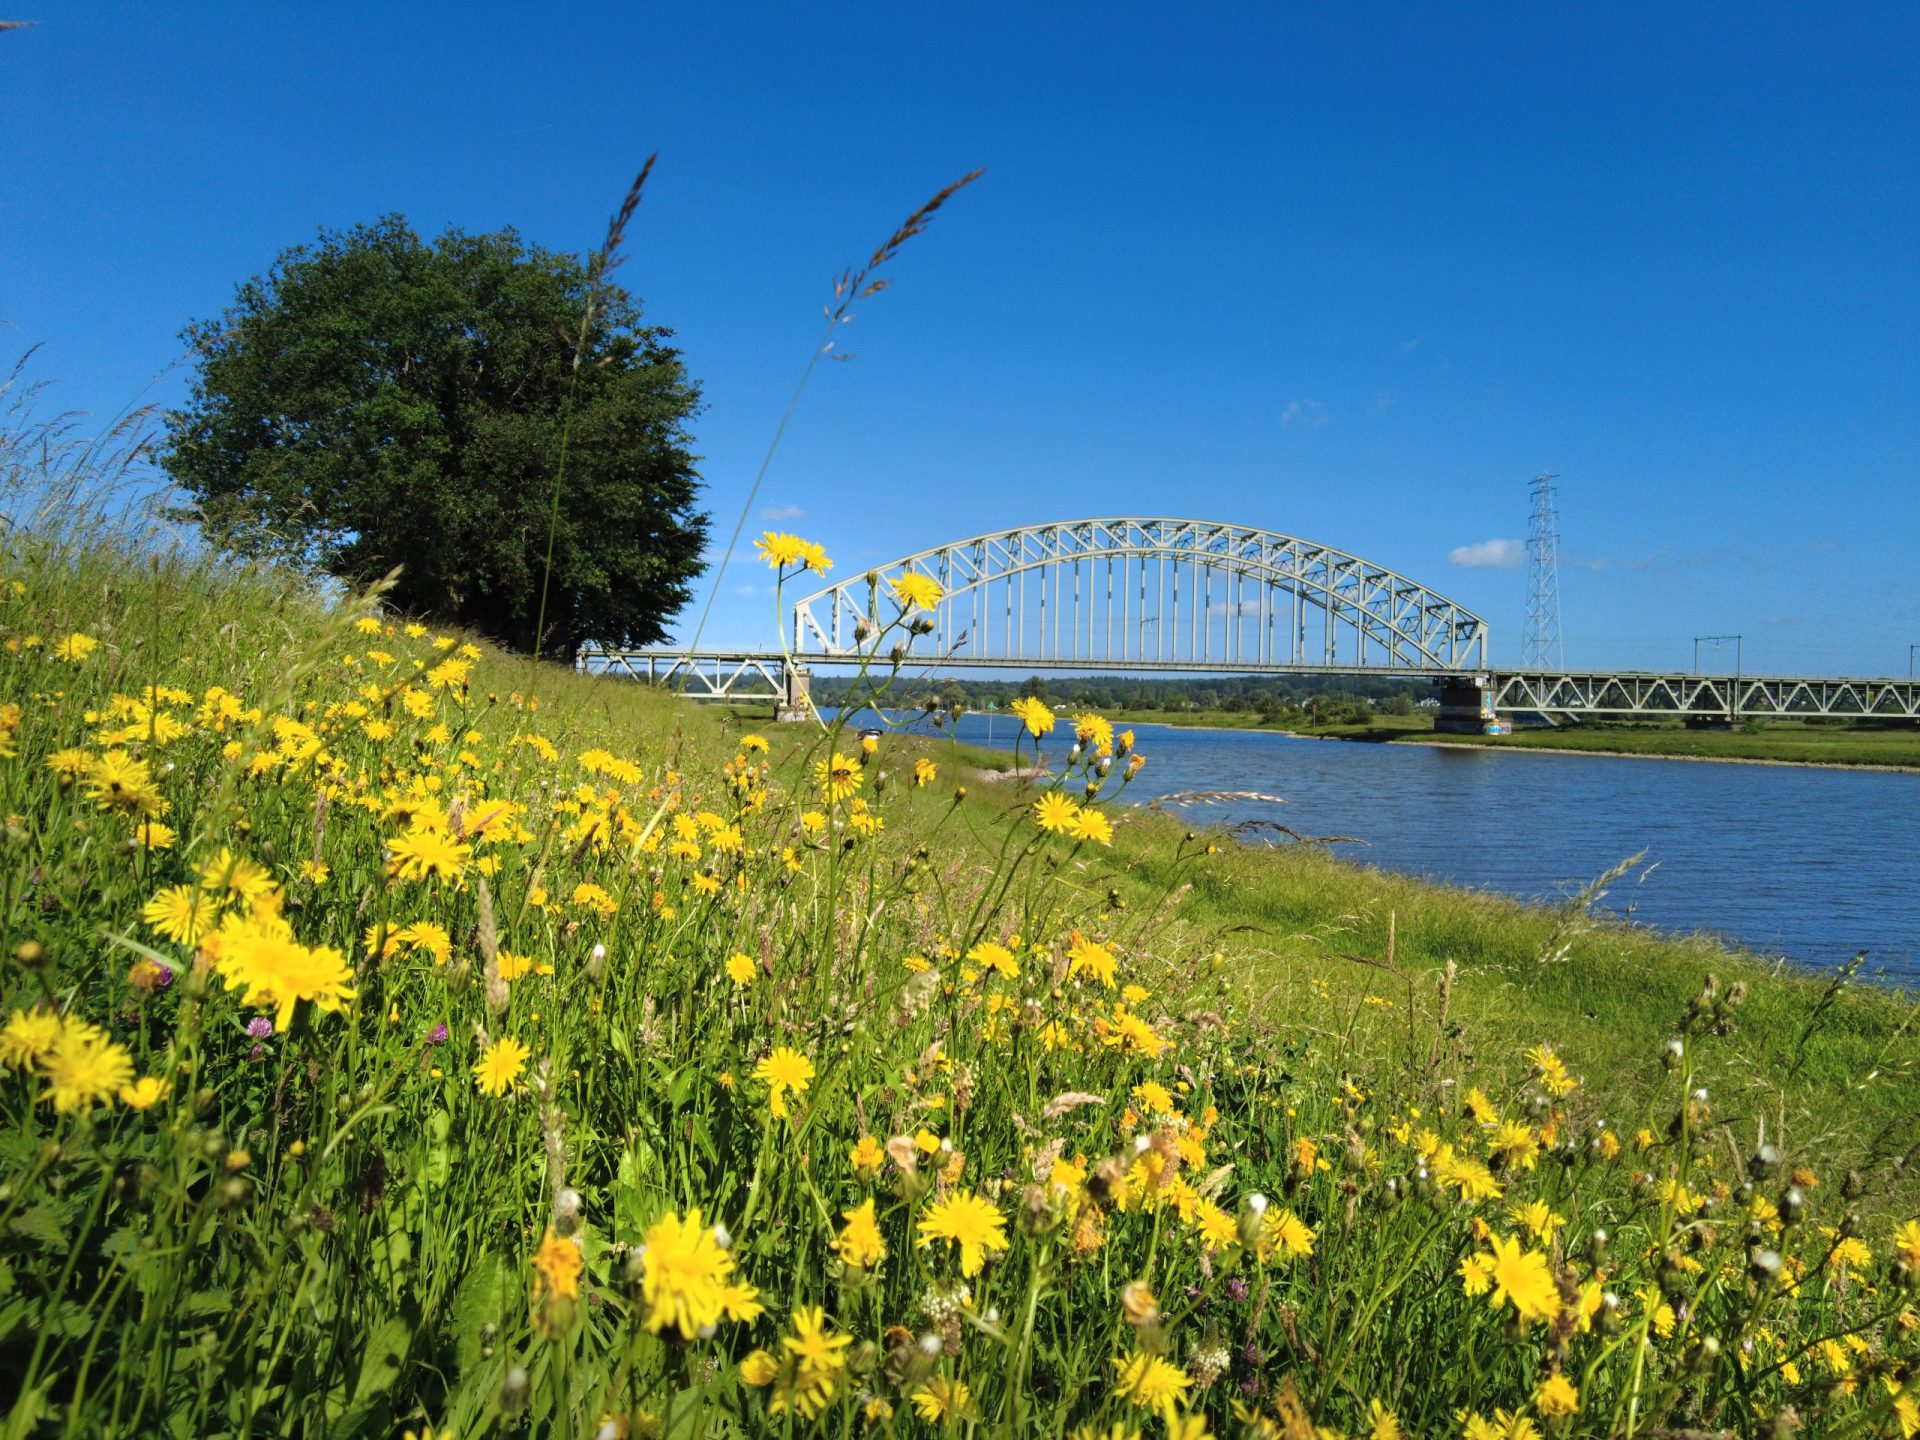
1523 1277
1906 1240
1055 813
144 1093
75 648
779 549
785 1069
557 1264
942 1399
915 591
992 956
85 1067
500 1065
180 913
688 1283
426 853
1035 714
28 1036
1284 1233
1090 824
860 1244
971 1222
234 877
1150 1381
839 778
1095 731
1556 1396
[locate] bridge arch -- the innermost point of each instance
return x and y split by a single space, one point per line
1046 596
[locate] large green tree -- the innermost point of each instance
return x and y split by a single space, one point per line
376 401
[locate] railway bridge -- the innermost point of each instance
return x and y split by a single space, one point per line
1194 597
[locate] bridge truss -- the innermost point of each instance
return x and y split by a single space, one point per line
1196 597
1153 594
1730 697
698 674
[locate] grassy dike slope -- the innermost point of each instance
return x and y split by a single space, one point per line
402 1038
1305 937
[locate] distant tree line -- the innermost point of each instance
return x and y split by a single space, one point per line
1327 699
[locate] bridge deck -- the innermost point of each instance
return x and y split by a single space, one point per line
762 674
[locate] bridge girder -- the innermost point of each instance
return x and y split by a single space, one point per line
1390 621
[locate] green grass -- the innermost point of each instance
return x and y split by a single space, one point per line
1779 741
333 1228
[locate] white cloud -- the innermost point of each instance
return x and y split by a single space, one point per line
1310 413
1407 347
1490 555
783 512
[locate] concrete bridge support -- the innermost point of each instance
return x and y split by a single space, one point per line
1466 706
797 701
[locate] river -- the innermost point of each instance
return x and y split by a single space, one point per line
1810 864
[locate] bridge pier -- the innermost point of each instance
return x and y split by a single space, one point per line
797 701
1466 707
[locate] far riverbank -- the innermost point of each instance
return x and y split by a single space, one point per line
1777 743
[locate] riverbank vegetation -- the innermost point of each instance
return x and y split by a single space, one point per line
1379 710
400 1037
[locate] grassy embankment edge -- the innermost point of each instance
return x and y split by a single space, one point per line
1386 963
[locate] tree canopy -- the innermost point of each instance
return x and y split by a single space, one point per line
377 401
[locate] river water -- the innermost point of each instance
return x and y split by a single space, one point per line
1810 864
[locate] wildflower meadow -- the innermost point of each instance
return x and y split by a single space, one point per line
400 1038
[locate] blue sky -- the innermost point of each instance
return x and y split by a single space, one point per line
1353 273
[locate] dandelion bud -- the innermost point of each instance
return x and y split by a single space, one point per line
1596 1245
234 1192
513 1391
1793 1205
1853 1187
1253 1211
722 1237
29 954
1138 1302
597 964
1703 1354
1764 1266
1675 1051
1105 766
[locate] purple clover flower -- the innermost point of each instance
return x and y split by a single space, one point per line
260 1027
437 1036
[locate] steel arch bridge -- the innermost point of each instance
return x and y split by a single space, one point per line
1173 596
1150 594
